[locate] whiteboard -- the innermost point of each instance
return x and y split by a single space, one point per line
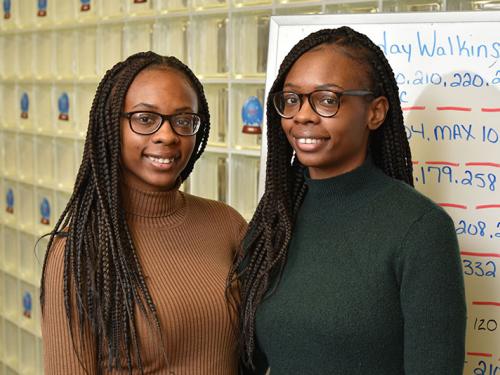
447 66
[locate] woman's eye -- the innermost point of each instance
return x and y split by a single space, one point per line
145 119
328 101
291 100
182 123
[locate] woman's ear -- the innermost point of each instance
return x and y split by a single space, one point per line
377 112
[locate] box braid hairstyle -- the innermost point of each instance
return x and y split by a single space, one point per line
265 247
103 279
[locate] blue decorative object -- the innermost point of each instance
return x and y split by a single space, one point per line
63 105
42 8
85 5
45 211
10 201
27 304
25 105
252 115
6 9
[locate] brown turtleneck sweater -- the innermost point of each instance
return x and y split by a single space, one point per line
185 245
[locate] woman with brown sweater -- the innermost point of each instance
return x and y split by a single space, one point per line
134 277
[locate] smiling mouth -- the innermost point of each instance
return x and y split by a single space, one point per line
160 160
310 141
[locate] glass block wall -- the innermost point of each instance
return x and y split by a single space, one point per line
52 54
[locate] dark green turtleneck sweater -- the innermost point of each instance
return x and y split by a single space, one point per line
373 284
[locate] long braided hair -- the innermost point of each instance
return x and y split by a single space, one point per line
103 279
270 230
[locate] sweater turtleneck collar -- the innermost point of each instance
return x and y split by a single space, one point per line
358 184
151 208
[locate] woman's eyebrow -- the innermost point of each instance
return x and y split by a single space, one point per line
324 86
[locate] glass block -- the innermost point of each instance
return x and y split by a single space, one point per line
87 9
65 163
27 13
44 211
84 96
209 177
110 47
39 356
44 161
1 323
251 38
11 350
245 181
111 8
10 292
210 44
44 13
86 53
217 97
247 115
170 38
2 53
10 19
1 266
43 52
171 5
9 56
475 5
27 300
80 145
355 7
43 121
65 54
10 204
9 118
27 355
11 251
26 207
134 7
65 11
24 106
138 38
25 57
40 250
10 154
241 3
27 250
207 4
64 103
26 147
62 200
420 5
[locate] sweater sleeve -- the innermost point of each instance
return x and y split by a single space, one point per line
59 352
432 297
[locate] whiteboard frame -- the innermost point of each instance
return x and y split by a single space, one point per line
337 20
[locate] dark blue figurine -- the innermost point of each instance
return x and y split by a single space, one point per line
63 105
25 105
42 8
6 9
45 211
10 201
85 5
27 304
252 115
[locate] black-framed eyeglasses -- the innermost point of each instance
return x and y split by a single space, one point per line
325 103
147 123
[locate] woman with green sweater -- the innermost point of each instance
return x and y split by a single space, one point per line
347 269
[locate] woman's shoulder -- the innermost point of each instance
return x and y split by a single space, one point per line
407 200
215 212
